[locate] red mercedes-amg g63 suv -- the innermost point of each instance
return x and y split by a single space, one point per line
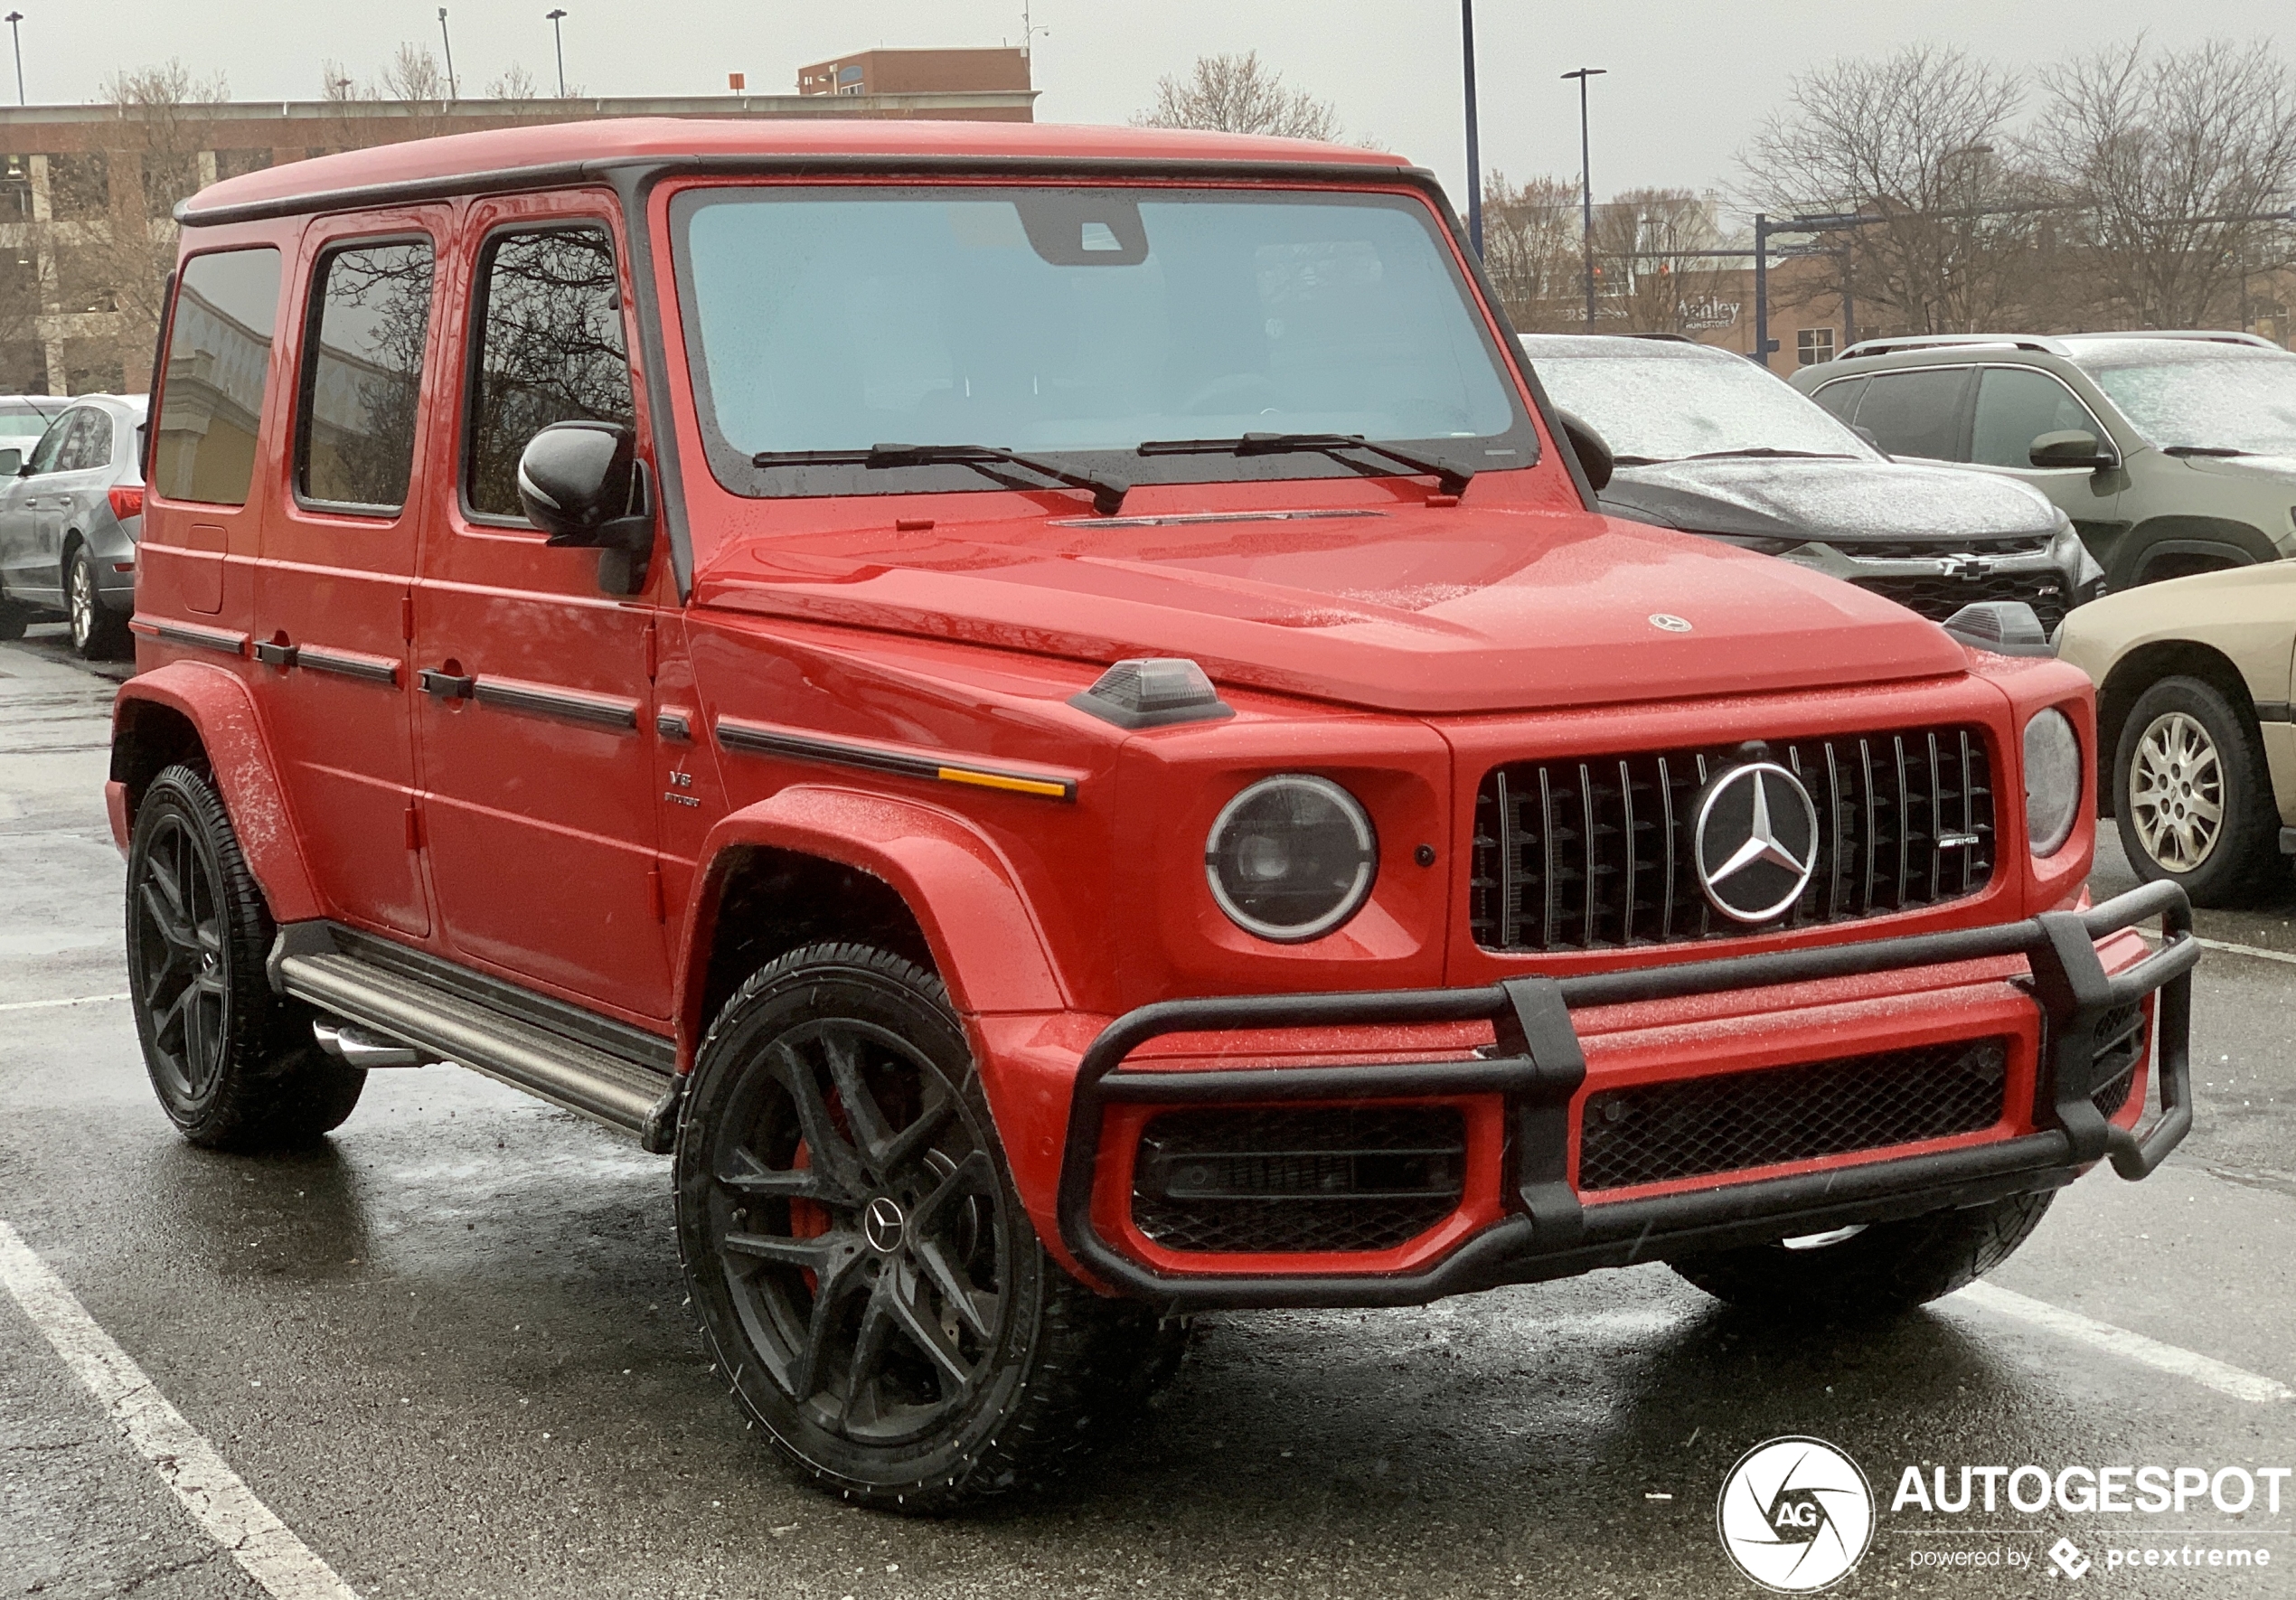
1049 710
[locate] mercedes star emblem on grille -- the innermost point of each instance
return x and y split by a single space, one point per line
1758 841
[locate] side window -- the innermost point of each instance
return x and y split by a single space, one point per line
2017 405
362 351
89 444
547 328
1841 398
219 359
45 454
1917 413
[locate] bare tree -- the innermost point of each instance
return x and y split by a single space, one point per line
516 83
1238 94
414 74
2169 158
1532 252
1919 141
1652 276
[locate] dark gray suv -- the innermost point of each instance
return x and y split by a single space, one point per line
2173 453
71 514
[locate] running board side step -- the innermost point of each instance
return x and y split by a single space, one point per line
436 1023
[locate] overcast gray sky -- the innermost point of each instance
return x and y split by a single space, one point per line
1689 78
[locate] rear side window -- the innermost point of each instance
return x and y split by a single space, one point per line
548 329
362 349
1917 413
87 444
1841 398
2017 405
219 358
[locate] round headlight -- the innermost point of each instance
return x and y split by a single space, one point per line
2051 781
1291 857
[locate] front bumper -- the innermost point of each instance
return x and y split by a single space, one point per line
1538 1066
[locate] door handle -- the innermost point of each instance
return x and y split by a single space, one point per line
445 686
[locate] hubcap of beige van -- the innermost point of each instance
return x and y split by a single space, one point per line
2176 792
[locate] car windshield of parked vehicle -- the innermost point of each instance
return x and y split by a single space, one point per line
22 422
1659 401
1081 324
2205 399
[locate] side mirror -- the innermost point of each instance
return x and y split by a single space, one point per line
11 463
2072 447
1593 455
583 485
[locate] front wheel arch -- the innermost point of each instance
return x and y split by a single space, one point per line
2138 671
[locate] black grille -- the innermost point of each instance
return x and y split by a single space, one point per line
1930 550
1938 598
2121 1038
1315 1178
1657 1132
1596 854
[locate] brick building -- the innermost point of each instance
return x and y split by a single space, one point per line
87 193
918 71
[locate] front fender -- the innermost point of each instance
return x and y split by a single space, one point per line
986 941
222 715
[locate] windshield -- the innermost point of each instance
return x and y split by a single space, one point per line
1078 324
1657 402
22 423
2211 399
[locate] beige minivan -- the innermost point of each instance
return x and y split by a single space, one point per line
2198 753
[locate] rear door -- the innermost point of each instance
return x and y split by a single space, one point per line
333 602
1917 413
2017 405
536 730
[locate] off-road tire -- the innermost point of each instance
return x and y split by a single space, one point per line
1884 1271
2242 861
235 1065
98 633
1059 1369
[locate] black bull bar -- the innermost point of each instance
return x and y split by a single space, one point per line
1539 1067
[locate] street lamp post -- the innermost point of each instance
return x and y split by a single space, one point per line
1586 186
16 33
557 37
1474 154
446 38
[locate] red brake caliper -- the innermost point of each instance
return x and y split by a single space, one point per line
808 1220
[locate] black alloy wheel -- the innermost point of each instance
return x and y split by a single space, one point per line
860 1264
235 1067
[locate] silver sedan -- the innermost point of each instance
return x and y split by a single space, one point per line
71 514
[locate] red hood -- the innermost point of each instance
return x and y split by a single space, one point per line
1414 609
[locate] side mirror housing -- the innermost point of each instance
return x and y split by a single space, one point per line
2073 446
1594 455
583 485
11 463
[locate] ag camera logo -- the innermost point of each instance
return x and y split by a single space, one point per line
1795 1515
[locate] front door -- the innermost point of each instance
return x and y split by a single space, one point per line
27 568
536 726
2017 405
333 589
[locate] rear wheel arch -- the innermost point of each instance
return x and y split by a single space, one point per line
2168 547
2138 671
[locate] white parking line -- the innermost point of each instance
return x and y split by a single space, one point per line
2229 948
217 1498
41 1005
2206 1370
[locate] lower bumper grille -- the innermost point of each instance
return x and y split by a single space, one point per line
1654 1133
2121 1037
1315 1178
1938 598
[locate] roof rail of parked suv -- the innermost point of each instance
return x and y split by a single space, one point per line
1903 342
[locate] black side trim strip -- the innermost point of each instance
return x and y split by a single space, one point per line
759 739
599 711
347 664
202 638
2275 711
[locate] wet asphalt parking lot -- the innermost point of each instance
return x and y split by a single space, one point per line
448 1352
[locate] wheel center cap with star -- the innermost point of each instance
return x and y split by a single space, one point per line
1756 842
882 1225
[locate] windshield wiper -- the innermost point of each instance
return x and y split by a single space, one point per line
1107 494
1450 478
2203 450
1765 453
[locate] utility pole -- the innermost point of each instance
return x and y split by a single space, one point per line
557 37
1474 149
16 33
446 38
1586 186
1029 31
